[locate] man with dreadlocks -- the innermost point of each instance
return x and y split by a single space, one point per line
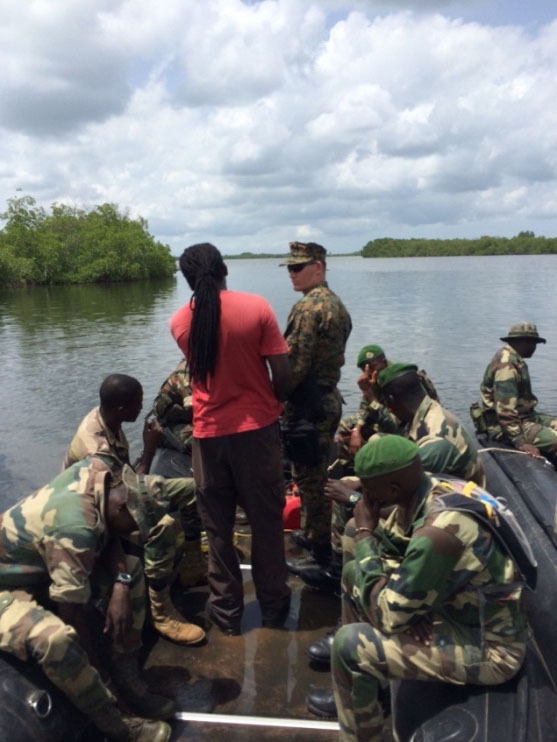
239 368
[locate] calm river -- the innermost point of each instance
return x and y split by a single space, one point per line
445 314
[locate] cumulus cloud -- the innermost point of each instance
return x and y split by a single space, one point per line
253 123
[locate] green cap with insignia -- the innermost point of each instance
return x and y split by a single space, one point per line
527 330
395 371
305 252
384 454
369 353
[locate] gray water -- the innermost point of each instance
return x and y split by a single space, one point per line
445 314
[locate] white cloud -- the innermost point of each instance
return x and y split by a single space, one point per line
251 124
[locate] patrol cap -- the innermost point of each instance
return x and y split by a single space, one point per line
369 353
524 330
384 454
141 502
304 252
395 371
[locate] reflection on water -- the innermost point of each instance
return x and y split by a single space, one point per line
446 314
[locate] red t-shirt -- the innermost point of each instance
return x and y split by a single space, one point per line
239 397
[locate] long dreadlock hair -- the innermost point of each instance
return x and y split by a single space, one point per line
204 270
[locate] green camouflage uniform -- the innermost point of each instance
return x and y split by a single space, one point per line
317 330
445 567
445 444
93 437
50 544
509 405
173 409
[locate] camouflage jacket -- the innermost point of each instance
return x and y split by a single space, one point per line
54 537
173 405
445 565
317 330
445 444
506 390
95 437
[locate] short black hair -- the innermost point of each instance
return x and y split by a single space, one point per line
119 390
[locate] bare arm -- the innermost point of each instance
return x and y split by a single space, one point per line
280 374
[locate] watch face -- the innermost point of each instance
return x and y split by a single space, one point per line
124 578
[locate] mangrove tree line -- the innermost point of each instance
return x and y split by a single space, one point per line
525 243
72 245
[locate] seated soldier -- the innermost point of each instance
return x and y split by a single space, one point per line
59 548
509 406
430 424
444 446
100 433
407 611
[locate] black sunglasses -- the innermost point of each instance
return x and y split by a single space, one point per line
297 267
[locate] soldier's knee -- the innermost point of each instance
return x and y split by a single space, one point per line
346 645
54 642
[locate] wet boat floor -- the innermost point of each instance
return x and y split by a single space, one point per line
252 686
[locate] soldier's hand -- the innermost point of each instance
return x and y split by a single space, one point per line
119 616
421 631
356 441
530 450
367 516
152 435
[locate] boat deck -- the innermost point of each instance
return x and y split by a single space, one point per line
252 686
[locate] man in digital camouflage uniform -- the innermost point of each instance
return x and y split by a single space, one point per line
59 548
100 433
430 595
509 405
317 330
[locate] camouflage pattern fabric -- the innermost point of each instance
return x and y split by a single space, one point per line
445 567
94 436
315 515
173 405
50 544
317 330
445 444
509 404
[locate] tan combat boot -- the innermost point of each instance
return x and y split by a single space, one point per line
115 726
193 567
168 622
134 691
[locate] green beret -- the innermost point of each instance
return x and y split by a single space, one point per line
383 454
369 353
395 371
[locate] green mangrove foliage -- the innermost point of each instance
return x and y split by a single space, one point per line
525 243
72 245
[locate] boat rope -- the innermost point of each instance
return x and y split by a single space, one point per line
514 450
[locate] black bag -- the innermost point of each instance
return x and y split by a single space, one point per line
301 442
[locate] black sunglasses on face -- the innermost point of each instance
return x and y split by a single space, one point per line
297 267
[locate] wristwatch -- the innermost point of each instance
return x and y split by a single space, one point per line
354 498
124 578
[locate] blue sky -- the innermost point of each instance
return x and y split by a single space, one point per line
250 124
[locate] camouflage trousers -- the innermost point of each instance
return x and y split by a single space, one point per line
311 480
539 430
174 519
341 516
363 661
31 632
